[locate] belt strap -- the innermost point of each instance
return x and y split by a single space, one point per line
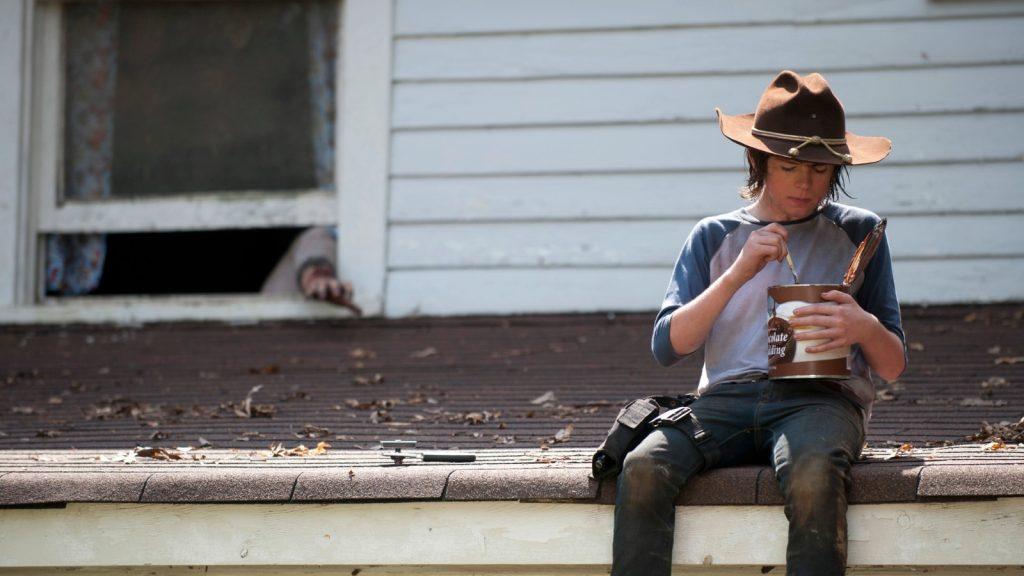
684 419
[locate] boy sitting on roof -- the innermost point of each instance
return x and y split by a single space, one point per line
809 430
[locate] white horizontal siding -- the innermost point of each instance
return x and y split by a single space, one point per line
654 243
917 139
552 156
551 290
886 189
694 98
476 16
841 46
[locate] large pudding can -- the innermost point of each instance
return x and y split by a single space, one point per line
787 356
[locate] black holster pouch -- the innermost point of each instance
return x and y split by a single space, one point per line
634 422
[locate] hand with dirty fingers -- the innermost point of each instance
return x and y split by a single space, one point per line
320 282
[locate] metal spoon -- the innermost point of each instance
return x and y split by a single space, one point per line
792 267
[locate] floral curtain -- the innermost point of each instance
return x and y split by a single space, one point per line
74 262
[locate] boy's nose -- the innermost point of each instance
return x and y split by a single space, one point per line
804 178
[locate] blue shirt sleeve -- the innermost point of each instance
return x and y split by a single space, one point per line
877 294
690 277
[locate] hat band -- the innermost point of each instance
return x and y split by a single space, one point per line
804 141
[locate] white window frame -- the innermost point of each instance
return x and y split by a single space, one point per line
359 207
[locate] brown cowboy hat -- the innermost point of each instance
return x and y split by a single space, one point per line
799 118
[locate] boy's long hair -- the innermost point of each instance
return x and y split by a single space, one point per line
757 169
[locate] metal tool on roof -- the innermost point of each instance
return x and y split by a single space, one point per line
440 456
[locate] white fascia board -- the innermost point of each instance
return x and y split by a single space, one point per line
450 534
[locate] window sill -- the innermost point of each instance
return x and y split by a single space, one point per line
233 308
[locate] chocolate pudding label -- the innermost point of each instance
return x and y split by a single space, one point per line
787 356
781 345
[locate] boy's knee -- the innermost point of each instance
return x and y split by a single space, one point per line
642 468
644 480
814 479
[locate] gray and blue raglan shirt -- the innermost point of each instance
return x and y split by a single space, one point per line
821 245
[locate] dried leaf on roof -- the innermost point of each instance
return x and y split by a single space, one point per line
48 433
1009 359
981 402
994 445
278 450
564 434
902 450
267 369
420 398
916 346
295 394
360 380
1005 430
548 396
122 407
424 353
250 410
379 416
362 353
311 431
498 439
158 453
248 435
995 382
473 418
383 404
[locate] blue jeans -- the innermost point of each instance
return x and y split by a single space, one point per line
809 432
